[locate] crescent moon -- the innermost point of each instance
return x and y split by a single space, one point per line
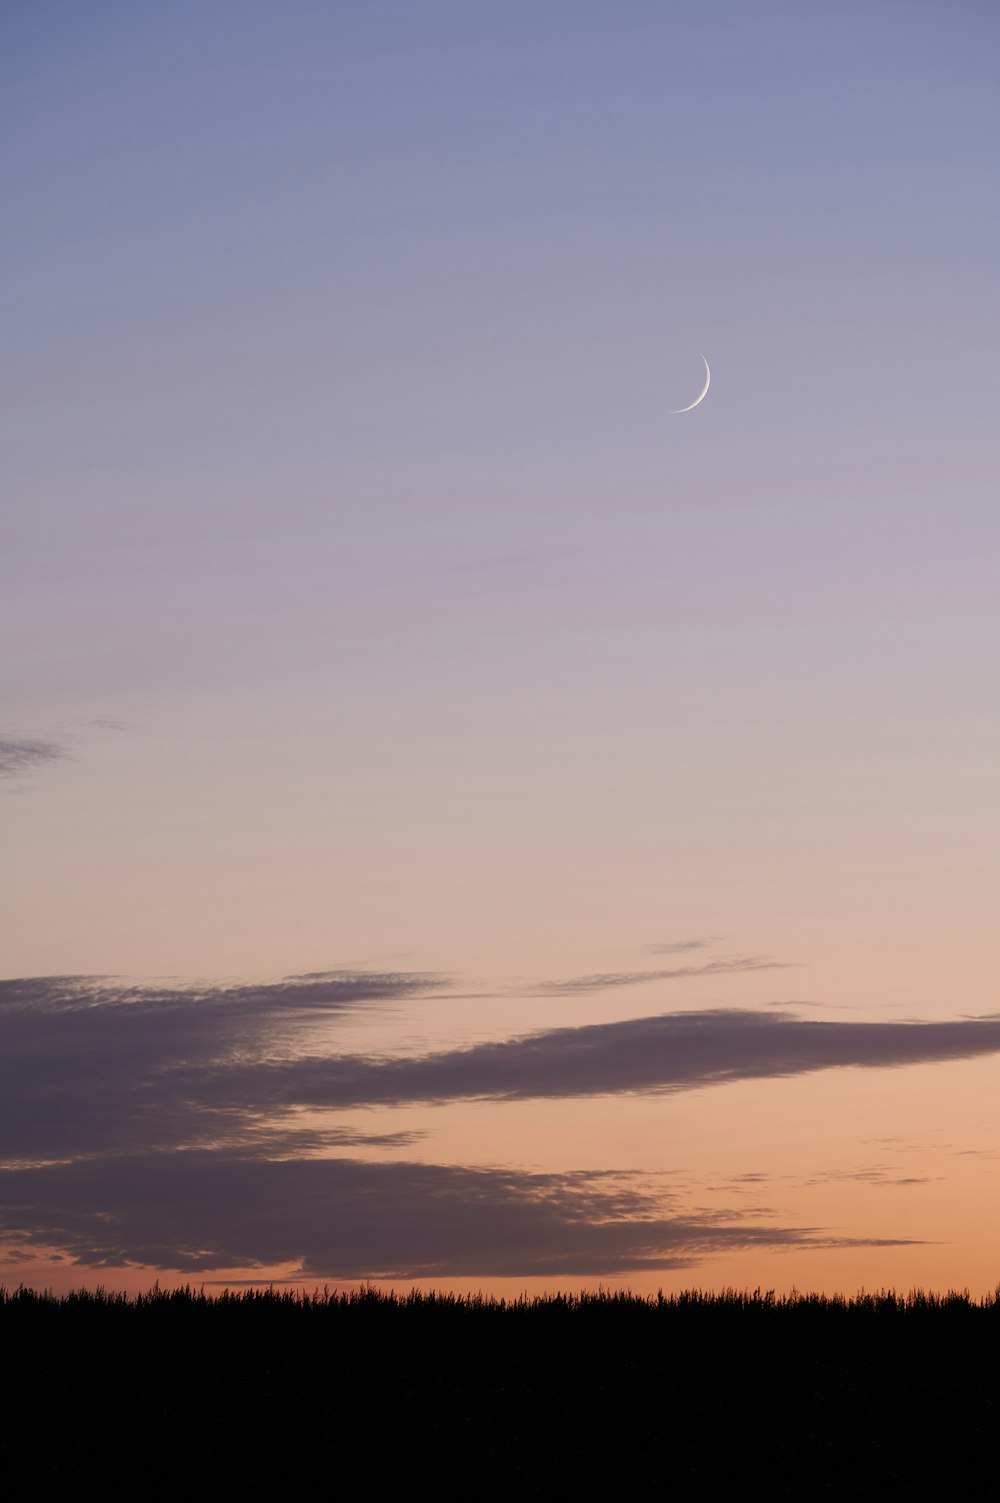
701 395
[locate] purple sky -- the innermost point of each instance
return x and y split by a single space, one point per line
367 613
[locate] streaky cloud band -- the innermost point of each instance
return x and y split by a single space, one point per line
666 1053
92 1066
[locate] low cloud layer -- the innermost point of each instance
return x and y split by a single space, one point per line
341 1218
164 1127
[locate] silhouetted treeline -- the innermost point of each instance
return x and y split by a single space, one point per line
364 1393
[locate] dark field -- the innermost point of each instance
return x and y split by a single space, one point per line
183 1395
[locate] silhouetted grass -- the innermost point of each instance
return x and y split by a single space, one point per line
369 1297
367 1392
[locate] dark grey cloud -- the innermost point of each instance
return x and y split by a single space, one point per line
24 754
601 981
89 1064
348 1219
670 1052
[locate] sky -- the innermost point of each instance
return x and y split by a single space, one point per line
463 823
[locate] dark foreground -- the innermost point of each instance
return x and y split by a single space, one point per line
179 1395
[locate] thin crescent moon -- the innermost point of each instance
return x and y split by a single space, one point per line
701 395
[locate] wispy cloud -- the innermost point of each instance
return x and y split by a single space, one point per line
23 754
601 981
679 946
107 723
879 1175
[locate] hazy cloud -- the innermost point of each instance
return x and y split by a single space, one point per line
678 946
22 754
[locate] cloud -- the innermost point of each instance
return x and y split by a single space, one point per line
92 1066
169 1127
608 980
671 1052
873 1174
22 754
89 1064
678 946
348 1219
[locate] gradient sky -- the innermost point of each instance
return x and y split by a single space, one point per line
458 821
